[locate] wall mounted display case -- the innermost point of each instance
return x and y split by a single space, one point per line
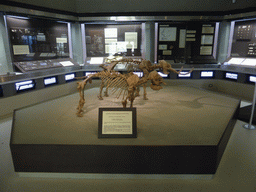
244 39
37 39
187 42
104 40
242 45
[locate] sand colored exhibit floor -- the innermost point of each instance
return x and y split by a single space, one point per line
175 115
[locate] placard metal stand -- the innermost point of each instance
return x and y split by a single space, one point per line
250 126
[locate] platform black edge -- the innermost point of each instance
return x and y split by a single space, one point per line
114 159
227 133
13 125
245 114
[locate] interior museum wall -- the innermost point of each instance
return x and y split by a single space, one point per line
77 46
63 5
95 6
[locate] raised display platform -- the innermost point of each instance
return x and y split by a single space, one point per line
181 130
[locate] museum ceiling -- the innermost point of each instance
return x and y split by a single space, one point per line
76 9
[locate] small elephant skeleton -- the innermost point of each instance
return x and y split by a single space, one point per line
126 85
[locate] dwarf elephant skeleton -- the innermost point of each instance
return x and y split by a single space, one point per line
126 85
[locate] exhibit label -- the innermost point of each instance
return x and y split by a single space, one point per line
117 122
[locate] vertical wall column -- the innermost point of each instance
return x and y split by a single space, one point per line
150 41
77 45
223 41
5 56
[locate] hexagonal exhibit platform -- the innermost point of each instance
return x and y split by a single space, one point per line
180 130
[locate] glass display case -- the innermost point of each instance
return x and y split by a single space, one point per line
104 40
187 42
37 39
242 45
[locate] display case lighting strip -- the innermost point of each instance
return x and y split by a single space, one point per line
140 74
184 74
207 74
89 73
252 79
163 75
24 85
69 77
50 81
18 17
231 76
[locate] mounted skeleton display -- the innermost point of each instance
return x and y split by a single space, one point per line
126 86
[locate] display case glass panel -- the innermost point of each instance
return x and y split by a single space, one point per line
37 39
244 39
187 42
103 40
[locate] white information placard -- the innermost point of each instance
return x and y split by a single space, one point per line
96 60
117 122
207 29
132 38
207 39
167 33
66 63
182 40
20 49
206 50
61 40
167 52
111 48
110 32
108 41
162 47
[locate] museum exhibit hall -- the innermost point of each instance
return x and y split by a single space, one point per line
128 95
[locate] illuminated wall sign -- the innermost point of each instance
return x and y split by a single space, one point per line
208 74
70 77
163 75
140 74
184 75
231 76
50 81
252 79
89 73
24 85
